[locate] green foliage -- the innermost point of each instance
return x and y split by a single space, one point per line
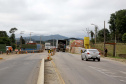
92 34
5 40
3 34
3 47
101 35
118 24
12 38
12 30
13 46
22 40
92 41
124 37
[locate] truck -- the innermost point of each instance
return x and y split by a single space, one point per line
61 45
47 46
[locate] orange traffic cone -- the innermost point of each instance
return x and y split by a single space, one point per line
26 52
33 51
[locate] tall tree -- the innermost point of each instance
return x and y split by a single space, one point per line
124 37
4 38
118 24
101 35
12 37
3 34
12 30
92 34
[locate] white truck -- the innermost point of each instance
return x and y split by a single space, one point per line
47 46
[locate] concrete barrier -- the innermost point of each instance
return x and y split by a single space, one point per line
41 73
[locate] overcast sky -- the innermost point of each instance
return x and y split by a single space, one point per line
64 17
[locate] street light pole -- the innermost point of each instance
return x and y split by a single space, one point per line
30 35
95 31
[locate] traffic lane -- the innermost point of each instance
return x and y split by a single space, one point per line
20 70
76 71
109 67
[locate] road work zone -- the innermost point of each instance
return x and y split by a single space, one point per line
41 73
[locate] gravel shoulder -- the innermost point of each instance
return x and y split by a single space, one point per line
50 74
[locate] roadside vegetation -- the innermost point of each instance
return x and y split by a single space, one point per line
115 33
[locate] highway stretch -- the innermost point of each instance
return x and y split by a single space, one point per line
21 69
70 69
75 71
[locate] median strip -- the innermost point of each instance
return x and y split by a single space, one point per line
41 73
58 74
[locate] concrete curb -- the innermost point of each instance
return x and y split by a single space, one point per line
41 73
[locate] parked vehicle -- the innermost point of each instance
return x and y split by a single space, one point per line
90 54
61 45
47 46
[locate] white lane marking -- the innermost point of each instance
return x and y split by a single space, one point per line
106 72
98 69
122 80
4 68
123 72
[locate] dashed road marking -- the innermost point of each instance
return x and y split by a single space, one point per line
123 72
108 73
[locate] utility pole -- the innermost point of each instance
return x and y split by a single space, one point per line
88 31
30 35
95 32
104 38
40 39
114 45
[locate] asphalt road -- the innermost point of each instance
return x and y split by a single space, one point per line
21 69
75 71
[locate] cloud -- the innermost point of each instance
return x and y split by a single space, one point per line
65 17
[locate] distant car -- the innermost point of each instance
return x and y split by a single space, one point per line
90 54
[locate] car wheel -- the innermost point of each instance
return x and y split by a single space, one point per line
93 59
99 59
86 58
82 58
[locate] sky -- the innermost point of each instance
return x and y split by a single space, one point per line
69 18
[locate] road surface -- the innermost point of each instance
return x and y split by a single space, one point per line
21 69
75 71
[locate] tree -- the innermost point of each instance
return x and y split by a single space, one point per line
22 40
12 30
12 37
4 38
118 24
124 38
101 35
92 34
3 34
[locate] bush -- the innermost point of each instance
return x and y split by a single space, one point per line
124 37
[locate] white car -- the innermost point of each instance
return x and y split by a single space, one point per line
90 54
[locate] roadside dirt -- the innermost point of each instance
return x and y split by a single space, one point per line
50 74
5 56
116 59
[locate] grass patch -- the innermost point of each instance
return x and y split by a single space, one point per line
120 49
